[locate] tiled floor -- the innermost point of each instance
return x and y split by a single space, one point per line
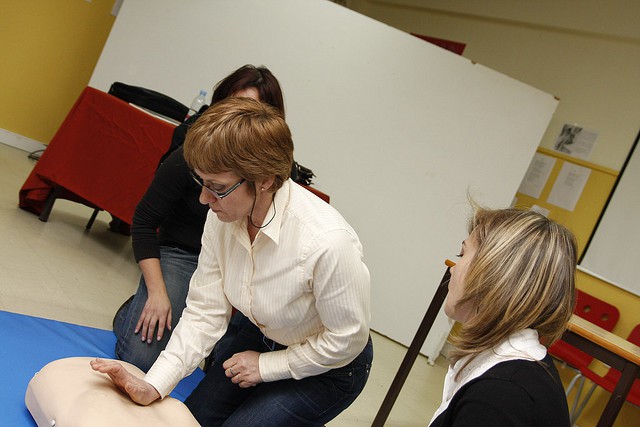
60 271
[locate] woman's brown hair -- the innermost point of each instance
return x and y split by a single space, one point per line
243 136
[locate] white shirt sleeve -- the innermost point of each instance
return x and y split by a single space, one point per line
204 321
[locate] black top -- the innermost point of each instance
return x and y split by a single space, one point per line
513 393
171 205
180 132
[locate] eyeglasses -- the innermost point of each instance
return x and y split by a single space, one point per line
216 194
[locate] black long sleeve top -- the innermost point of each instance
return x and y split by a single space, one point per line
513 393
170 213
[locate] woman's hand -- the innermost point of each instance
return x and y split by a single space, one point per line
137 389
243 369
156 312
157 309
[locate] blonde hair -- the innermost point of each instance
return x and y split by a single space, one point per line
243 136
522 276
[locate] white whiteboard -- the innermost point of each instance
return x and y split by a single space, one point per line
396 129
613 253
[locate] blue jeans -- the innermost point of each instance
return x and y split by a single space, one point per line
177 268
311 401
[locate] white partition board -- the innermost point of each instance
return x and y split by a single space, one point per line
398 131
612 254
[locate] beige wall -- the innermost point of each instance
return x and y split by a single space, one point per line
585 52
48 52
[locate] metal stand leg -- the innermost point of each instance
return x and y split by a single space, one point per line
576 411
92 219
413 351
48 204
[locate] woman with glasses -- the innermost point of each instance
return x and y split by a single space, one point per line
297 352
166 231
512 288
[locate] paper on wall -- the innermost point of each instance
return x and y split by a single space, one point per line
568 186
540 210
576 141
537 175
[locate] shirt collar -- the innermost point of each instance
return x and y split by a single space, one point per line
280 203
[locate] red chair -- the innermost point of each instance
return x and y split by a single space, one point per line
597 312
609 381
317 192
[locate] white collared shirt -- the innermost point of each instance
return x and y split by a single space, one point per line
302 282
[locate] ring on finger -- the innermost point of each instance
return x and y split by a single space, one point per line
233 374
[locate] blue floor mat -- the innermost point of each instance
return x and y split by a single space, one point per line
28 343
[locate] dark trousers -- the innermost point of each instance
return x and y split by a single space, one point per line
315 400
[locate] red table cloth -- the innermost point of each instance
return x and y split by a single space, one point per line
104 155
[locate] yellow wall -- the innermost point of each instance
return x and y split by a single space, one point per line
48 52
584 217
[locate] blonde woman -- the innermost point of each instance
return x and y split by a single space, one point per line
512 288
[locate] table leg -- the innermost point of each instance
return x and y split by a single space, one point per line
619 395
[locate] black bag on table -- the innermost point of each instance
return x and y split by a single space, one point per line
151 100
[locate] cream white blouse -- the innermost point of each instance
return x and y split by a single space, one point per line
302 282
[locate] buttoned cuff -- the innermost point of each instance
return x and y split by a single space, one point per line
274 366
163 377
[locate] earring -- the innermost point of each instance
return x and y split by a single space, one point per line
261 188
